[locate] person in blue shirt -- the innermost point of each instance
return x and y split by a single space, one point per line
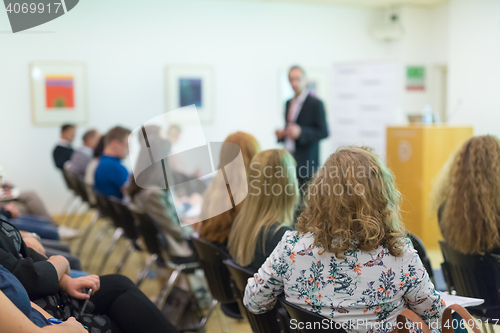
18 315
111 175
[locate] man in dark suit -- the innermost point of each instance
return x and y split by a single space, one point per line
305 126
63 150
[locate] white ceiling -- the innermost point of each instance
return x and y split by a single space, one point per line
368 3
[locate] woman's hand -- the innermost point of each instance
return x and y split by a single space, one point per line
73 287
70 326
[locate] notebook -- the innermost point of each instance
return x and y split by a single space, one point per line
460 300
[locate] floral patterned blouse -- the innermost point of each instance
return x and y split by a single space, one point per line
365 290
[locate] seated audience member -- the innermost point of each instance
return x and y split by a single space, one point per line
155 201
18 315
349 258
83 155
63 150
268 208
27 211
216 229
468 196
110 174
116 304
89 178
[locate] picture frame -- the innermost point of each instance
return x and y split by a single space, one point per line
187 85
58 93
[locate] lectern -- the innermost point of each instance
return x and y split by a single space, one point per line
416 154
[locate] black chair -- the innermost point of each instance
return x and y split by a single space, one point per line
219 280
125 224
474 275
71 183
271 321
316 323
419 246
157 245
106 212
95 214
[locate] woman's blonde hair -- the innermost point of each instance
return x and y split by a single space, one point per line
272 197
217 228
353 203
469 187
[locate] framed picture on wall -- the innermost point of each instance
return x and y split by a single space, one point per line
58 93
187 85
317 82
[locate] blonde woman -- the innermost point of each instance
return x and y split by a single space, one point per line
217 228
349 259
468 194
268 208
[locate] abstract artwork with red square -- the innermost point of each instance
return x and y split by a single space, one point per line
59 91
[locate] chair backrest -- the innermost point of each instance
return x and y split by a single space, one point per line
211 259
104 206
260 323
151 235
419 246
69 181
126 220
473 275
313 322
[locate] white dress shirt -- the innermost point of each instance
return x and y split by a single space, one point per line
293 112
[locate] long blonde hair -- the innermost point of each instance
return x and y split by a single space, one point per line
469 187
353 203
217 228
272 197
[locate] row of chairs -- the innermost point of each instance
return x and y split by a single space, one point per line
466 275
225 278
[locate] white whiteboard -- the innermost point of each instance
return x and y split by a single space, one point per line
364 98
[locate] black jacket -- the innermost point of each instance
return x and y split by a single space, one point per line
312 121
61 155
36 274
263 250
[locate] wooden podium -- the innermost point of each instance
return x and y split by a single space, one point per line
416 154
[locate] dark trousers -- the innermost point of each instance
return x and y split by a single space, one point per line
128 308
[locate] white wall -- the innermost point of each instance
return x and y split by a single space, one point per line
126 45
425 43
474 65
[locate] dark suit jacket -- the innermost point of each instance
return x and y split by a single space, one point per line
61 155
312 120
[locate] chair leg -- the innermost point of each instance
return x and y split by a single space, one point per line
67 205
204 320
121 264
86 233
491 327
116 238
147 268
222 320
162 297
81 217
97 241
76 201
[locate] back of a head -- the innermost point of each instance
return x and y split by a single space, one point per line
272 197
248 144
217 228
352 203
116 133
471 214
90 134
